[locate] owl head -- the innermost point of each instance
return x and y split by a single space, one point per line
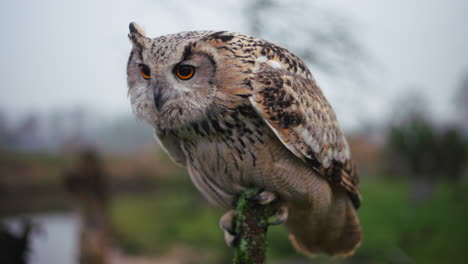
173 79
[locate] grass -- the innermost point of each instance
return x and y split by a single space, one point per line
170 213
395 230
156 222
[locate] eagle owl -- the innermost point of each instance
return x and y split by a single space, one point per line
238 112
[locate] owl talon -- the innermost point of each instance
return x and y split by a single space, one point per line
281 215
231 240
227 224
263 198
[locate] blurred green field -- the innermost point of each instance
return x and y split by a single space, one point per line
395 230
156 209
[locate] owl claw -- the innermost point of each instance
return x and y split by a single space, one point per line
231 240
263 198
281 215
227 224
227 221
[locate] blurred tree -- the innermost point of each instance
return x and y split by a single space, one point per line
461 101
326 40
6 136
412 146
453 155
417 149
27 133
127 134
454 140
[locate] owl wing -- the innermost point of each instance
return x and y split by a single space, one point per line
295 109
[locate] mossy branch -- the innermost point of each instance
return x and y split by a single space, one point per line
251 224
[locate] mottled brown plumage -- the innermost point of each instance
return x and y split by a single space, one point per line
252 115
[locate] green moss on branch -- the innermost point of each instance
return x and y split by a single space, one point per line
251 223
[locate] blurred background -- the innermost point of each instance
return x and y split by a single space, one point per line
76 167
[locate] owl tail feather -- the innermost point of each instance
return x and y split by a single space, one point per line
338 235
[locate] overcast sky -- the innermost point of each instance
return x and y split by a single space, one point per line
58 54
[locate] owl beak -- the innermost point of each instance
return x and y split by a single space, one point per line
158 101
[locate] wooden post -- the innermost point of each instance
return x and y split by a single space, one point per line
87 182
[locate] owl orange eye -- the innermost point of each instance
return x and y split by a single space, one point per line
145 72
184 72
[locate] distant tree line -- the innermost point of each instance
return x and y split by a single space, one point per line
425 151
416 147
69 129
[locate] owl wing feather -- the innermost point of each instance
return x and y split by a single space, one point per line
295 109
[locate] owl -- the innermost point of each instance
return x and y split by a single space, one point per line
238 112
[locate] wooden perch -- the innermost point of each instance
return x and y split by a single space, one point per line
251 225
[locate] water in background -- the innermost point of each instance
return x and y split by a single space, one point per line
54 240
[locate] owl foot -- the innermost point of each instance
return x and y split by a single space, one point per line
263 198
227 220
227 224
281 216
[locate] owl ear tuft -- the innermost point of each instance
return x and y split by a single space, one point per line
136 29
136 35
